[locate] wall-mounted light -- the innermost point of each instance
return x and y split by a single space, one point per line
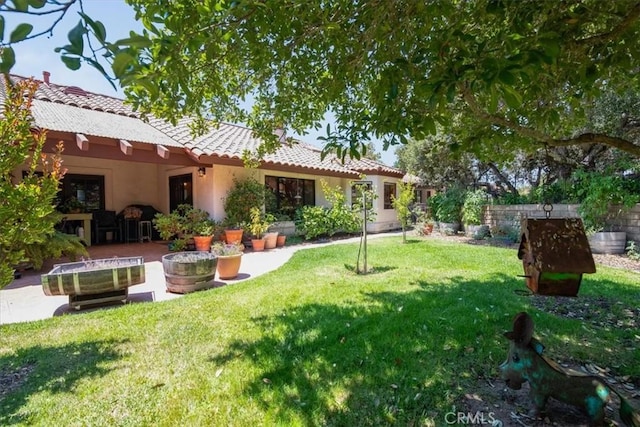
202 172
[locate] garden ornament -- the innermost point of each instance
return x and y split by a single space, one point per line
525 362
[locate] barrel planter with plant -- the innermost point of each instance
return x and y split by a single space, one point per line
604 197
186 272
94 281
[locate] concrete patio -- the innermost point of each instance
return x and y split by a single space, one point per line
24 300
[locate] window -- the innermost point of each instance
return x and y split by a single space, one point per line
389 190
356 193
289 195
86 189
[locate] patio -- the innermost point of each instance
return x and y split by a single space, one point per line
24 300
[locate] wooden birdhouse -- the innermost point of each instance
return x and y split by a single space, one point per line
555 253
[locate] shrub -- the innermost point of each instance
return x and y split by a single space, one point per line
449 205
244 195
603 197
317 221
474 202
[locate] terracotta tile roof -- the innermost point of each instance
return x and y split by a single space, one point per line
71 109
67 118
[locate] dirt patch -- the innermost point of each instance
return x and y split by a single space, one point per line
511 407
11 380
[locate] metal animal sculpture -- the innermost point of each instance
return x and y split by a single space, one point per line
547 379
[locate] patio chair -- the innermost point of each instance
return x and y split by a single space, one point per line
104 221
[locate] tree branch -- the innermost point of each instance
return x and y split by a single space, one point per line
616 32
597 138
541 137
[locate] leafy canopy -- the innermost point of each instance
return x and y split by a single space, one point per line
497 74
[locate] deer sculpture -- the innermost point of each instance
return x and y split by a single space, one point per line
526 362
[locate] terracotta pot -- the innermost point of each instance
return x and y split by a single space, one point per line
203 243
258 245
270 240
233 236
280 240
229 266
427 229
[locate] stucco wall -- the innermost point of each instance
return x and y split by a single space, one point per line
125 182
386 219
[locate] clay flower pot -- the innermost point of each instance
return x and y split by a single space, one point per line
270 240
258 244
280 240
228 266
233 236
203 243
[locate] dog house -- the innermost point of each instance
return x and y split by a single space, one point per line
555 253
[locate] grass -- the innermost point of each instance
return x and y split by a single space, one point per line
310 344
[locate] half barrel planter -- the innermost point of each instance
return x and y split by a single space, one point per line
94 281
186 272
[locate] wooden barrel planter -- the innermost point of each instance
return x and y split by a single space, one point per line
94 281
186 272
608 242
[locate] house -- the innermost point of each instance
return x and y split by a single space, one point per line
115 159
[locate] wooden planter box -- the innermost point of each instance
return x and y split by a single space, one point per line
94 281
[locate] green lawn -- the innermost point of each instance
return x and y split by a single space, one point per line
310 344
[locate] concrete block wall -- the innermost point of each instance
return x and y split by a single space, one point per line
510 215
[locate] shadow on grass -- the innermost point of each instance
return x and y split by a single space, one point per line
55 369
393 357
396 356
372 269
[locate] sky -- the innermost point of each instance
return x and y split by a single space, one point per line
38 55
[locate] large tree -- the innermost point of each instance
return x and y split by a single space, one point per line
497 74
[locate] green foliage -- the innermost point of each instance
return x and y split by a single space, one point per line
402 205
182 224
633 252
260 222
55 245
447 205
317 221
241 198
603 197
26 211
227 249
498 75
474 203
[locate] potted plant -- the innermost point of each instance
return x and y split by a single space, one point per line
449 210
229 258
204 234
472 210
180 226
189 271
604 197
243 195
424 221
72 205
259 225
